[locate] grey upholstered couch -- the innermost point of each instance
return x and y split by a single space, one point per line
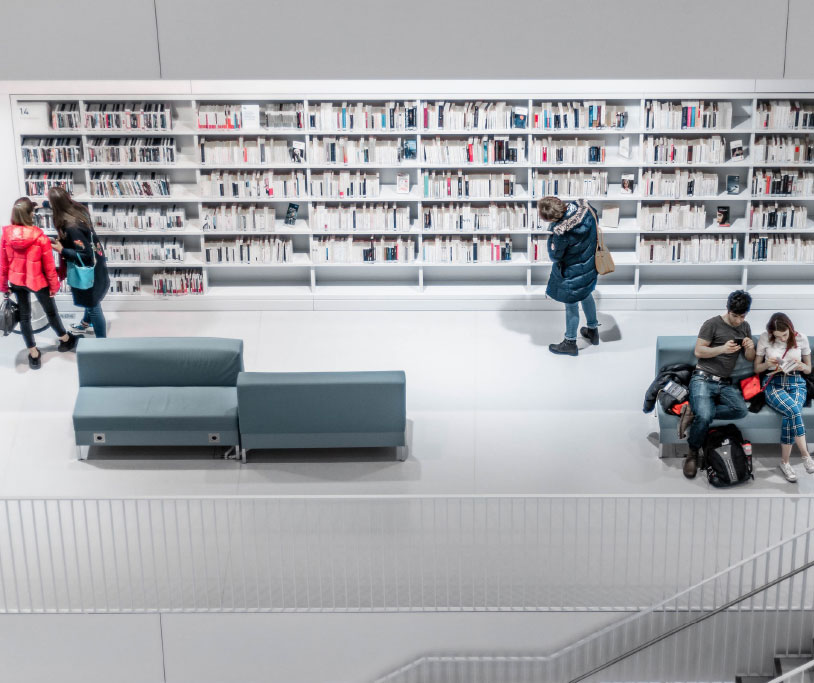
761 427
157 391
322 410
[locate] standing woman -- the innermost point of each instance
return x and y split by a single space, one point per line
785 353
79 245
572 250
26 267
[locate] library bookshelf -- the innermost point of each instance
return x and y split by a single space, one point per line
657 164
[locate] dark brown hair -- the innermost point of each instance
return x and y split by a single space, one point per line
65 209
551 208
22 213
780 322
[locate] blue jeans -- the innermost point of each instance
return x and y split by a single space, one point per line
572 316
94 316
712 401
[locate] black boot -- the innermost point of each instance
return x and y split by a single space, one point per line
691 464
591 334
567 347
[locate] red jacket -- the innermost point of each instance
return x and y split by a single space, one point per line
26 259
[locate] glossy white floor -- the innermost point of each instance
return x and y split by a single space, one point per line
490 409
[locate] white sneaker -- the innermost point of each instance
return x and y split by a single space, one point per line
788 472
808 463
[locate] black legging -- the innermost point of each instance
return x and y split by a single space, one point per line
23 295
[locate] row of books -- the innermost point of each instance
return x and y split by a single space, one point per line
784 114
178 282
65 116
132 151
249 250
569 183
120 218
122 282
128 116
465 217
666 150
793 249
778 216
250 116
345 184
687 114
679 184
52 150
671 216
353 250
556 151
461 185
361 151
38 184
252 184
783 182
143 251
246 218
362 117
474 116
129 184
538 250
695 249
251 151
578 115
474 250
363 218
475 150
784 149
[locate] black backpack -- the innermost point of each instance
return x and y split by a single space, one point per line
726 461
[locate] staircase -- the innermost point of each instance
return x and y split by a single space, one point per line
783 665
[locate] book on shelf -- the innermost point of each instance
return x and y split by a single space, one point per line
283 115
128 116
360 217
408 150
569 183
389 116
784 114
624 147
786 248
291 214
475 116
132 150
520 117
722 217
465 217
346 150
402 183
474 150
693 249
52 150
667 150
345 184
459 185
687 114
782 182
578 115
466 250
126 184
335 249
234 218
733 184
250 116
628 182
538 250
610 216
249 250
250 151
178 282
784 149
65 116
778 216
122 282
679 184
563 151
252 184
672 216
297 151
136 251
123 218
38 183
736 150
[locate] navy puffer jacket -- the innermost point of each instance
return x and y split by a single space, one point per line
572 248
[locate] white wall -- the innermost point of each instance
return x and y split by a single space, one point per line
208 39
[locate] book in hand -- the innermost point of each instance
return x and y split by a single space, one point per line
733 184
736 148
628 179
722 216
291 214
788 365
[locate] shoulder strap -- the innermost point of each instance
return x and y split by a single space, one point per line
600 238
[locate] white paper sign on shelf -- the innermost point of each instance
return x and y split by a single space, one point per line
251 116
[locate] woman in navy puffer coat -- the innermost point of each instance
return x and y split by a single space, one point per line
572 249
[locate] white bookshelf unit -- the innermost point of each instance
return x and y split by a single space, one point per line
384 176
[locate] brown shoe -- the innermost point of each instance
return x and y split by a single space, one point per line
691 464
685 420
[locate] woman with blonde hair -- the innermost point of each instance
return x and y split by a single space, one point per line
27 267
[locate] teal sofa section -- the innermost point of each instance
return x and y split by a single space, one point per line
157 391
761 427
322 410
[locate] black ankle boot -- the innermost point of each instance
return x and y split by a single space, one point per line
592 335
567 347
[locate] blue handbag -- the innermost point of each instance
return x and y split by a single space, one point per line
80 276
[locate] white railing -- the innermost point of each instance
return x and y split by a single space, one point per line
732 623
797 675
377 554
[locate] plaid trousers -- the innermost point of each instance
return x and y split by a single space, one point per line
786 394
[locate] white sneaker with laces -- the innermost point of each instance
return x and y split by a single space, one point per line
808 463
788 472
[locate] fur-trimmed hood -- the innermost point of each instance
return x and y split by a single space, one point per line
574 215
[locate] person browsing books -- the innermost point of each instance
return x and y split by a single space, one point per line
712 397
571 248
26 267
79 245
785 354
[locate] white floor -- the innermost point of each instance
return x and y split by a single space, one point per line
490 409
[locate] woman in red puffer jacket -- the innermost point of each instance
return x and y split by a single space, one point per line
26 266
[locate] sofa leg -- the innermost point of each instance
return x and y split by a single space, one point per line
401 453
82 452
232 453
243 455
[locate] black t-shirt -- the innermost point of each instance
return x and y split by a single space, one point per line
717 332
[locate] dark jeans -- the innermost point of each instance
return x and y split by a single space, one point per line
710 401
94 316
23 295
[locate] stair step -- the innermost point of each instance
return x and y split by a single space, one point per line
785 664
753 679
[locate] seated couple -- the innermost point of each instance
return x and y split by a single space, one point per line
781 351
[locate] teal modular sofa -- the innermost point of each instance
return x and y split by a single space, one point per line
322 410
761 427
157 391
